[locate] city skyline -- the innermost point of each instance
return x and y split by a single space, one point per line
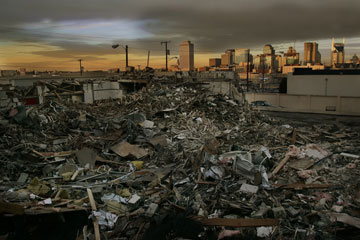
48 35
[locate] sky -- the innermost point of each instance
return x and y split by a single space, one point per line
53 35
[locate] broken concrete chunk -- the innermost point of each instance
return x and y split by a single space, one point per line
315 152
279 212
125 149
247 188
159 140
215 172
263 209
337 208
107 219
136 117
86 156
293 212
151 210
322 204
38 187
263 231
302 164
67 168
113 197
23 177
134 199
147 124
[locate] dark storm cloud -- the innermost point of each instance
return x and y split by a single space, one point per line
212 25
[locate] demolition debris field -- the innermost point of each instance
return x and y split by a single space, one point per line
175 162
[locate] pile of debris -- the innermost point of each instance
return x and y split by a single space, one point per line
174 162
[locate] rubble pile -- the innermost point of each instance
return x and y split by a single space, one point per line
174 162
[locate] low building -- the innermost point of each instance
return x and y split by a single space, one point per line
214 62
290 68
306 81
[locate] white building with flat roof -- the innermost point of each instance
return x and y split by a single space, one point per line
186 55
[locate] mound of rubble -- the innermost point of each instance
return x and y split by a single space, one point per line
174 162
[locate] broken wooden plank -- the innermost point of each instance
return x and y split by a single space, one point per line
76 173
281 164
13 208
302 186
239 222
43 210
96 220
53 154
207 182
293 139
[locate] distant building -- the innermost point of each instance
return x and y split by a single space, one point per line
8 73
291 57
311 53
242 55
203 69
291 68
22 71
225 59
231 53
354 60
214 62
186 53
305 81
337 53
268 50
266 62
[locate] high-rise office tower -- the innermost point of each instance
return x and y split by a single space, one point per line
241 55
311 53
186 53
337 52
268 49
291 57
231 53
226 59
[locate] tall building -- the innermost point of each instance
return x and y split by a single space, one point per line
186 53
241 55
311 53
355 59
337 52
266 62
291 57
214 62
269 50
226 59
231 53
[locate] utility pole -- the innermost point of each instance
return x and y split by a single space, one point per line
147 64
81 70
166 53
126 53
127 59
263 73
247 71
